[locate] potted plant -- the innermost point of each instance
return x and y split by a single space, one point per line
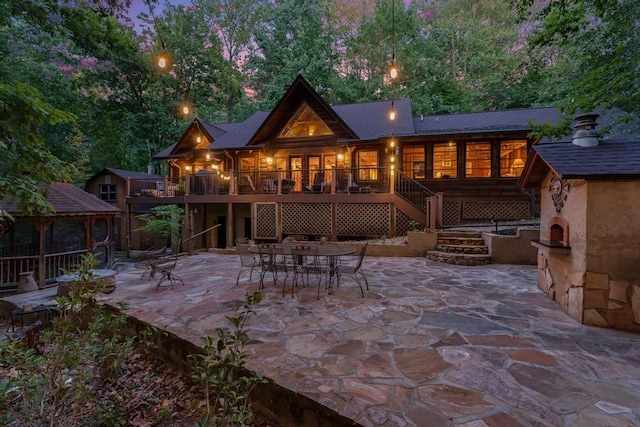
163 224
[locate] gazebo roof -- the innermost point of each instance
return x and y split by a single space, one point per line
67 200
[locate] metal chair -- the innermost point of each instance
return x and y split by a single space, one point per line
305 260
354 271
247 260
166 271
272 260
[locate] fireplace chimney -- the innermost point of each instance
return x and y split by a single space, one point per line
585 126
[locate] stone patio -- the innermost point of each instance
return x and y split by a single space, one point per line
429 345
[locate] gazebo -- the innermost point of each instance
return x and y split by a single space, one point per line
45 244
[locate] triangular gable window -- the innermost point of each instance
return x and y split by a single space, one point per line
305 123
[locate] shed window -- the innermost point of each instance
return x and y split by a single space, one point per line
108 192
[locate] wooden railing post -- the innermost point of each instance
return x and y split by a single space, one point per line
279 181
334 180
392 180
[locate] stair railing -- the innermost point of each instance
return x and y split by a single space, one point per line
419 196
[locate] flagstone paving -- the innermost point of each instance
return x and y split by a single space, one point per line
430 344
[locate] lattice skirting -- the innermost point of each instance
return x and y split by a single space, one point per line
266 220
403 223
360 219
456 213
451 213
306 218
505 211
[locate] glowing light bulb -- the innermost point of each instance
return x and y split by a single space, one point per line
392 115
162 61
393 159
185 110
393 72
392 143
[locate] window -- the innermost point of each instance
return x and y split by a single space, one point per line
445 164
413 162
478 160
247 163
513 154
305 123
108 192
367 165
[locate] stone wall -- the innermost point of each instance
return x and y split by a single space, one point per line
596 278
512 249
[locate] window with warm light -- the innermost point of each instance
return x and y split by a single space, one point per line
367 165
513 155
477 160
413 162
445 163
247 163
305 123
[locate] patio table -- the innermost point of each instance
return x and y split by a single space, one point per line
332 252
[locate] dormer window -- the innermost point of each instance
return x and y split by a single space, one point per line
305 123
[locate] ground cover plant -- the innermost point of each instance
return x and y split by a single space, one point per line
83 371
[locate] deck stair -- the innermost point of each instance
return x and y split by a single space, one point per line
460 248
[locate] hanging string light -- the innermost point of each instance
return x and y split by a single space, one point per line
162 59
393 73
393 70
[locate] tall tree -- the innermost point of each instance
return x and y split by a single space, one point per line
601 38
233 22
293 39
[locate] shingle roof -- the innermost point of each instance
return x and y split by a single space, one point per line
506 120
237 135
124 174
620 157
370 120
66 199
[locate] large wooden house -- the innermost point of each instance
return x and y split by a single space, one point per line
345 171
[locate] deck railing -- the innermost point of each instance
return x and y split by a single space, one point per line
11 267
291 181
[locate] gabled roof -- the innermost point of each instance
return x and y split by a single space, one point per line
67 200
300 91
486 121
124 174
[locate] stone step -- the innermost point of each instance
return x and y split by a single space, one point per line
463 249
454 240
458 259
472 234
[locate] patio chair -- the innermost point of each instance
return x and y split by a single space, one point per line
272 260
305 260
354 271
247 260
166 271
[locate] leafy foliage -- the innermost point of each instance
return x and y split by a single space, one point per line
221 369
165 221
